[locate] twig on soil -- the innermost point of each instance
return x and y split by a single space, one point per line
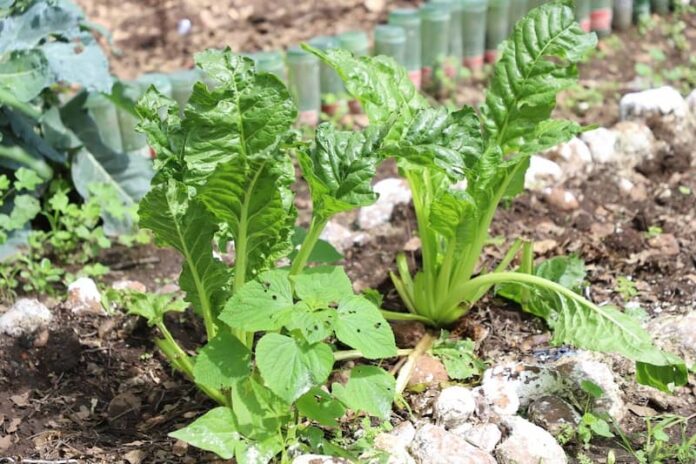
133 263
405 373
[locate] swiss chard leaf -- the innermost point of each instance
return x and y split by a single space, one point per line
339 169
186 226
289 367
369 389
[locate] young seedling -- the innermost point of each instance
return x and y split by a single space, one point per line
437 150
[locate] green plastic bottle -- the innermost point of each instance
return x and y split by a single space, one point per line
434 39
497 27
474 32
356 42
103 111
182 85
304 84
641 10
518 8
132 141
391 41
582 14
660 7
409 19
332 90
456 41
270 62
623 15
601 16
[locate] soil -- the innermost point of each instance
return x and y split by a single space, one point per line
94 387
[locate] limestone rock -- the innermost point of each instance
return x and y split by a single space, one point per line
25 317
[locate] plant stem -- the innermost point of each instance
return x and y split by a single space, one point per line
178 357
398 316
355 354
11 100
21 156
310 241
405 373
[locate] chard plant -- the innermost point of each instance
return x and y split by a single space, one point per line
224 175
438 150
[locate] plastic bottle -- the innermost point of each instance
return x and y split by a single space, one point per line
434 39
623 14
660 7
497 22
600 17
641 10
474 32
582 14
518 8
331 85
356 42
391 41
270 62
182 85
304 84
409 19
455 50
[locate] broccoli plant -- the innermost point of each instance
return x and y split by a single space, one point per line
437 150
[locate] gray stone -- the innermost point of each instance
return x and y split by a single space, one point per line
635 143
583 367
528 381
691 102
542 173
483 436
396 443
654 102
528 444
84 297
676 334
454 406
25 317
602 145
553 414
392 192
337 235
435 445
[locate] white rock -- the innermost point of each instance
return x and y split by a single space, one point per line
677 334
396 443
691 102
574 155
84 297
576 369
25 317
528 381
392 192
483 436
337 235
542 173
528 444
454 406
602 145
502 397
635 142
660 101
318 459
435 445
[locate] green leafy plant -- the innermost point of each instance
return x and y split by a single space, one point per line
436 149
657 445
626 288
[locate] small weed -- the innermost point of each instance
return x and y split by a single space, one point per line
626 288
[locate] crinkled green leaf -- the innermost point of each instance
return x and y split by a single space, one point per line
339 169
380 85
369 389
323 285
254 200
186 226
320 406
536 62
360 325
152 307
261 304
222 361
214 431
454 215
291 368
